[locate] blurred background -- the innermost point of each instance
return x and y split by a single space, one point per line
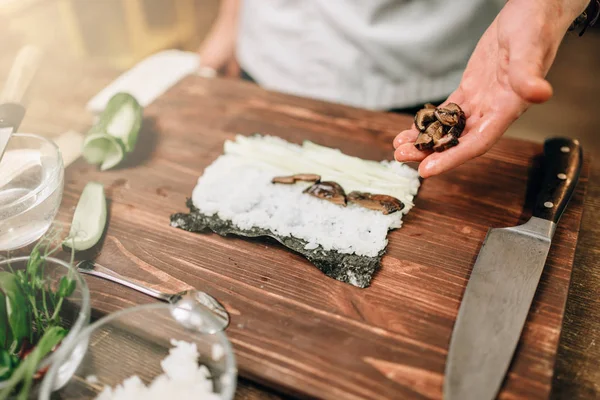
105 37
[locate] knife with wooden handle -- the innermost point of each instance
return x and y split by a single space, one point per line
503 282
15 91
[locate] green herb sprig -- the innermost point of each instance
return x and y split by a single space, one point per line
30 316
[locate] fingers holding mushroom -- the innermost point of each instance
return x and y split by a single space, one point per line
439 128
482 135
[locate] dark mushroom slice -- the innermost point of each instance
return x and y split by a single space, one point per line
294 178
436 131
453 107
429 105
329 191
450 115
378 202
445 143
443 132
424 117
424 141
457 129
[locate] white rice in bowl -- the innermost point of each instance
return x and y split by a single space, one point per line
183 379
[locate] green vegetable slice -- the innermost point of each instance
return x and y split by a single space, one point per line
66 286
103 149
16 309
116 132
89 219
122 119
5 332
26 370
5 365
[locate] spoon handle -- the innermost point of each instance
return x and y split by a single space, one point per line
91 268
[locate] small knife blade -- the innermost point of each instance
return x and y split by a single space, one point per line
503 282
15 91
11 116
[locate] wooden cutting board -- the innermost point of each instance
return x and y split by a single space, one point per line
292 327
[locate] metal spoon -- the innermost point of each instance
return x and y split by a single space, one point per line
217 318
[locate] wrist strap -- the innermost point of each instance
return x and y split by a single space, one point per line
588 18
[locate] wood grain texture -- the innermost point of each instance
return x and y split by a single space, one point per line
292 327
577 374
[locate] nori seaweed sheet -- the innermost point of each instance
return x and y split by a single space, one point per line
349 268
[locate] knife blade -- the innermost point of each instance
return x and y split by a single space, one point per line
503 282
15 92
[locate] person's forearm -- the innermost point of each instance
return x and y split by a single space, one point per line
228 11
217 51
562 12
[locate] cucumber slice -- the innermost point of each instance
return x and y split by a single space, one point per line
115 133
114 156
103 149
89 219
122 119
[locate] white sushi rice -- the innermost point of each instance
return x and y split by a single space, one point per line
183 379
237 187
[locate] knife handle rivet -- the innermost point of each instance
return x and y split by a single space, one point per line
562 177
565 149
548 204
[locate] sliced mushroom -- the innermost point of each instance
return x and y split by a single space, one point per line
424 117
329 191
378 202
453 107
449 115
288 180
424 141
445 143
457 129
294 178
307 177
436 131
443 132
429 105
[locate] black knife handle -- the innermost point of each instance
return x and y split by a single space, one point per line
562 163
11 115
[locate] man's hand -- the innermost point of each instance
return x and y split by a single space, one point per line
505 74
217 51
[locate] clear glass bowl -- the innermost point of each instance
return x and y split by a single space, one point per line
74 312
31 187
133 342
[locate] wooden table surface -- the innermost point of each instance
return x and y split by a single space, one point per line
64 88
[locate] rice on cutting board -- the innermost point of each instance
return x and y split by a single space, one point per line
242 193
183 379
236 194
